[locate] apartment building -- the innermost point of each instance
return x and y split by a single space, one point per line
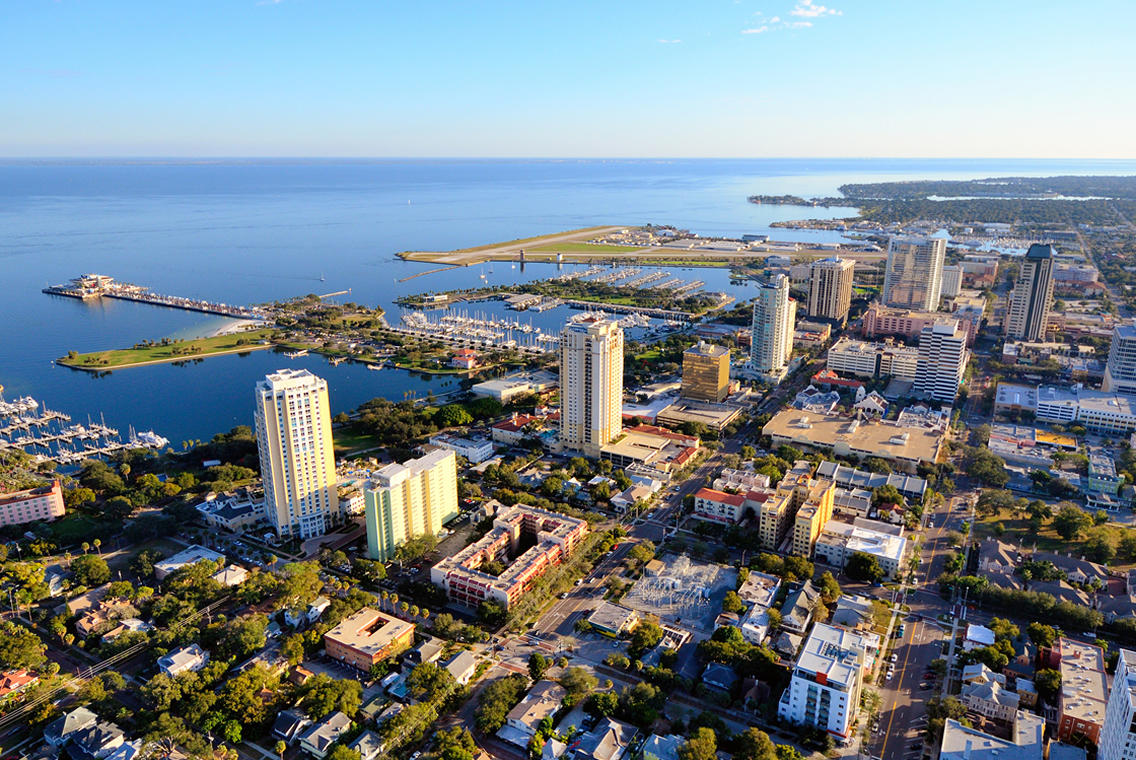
774 317
1118 736
591 384
914 275
828 677
942 362
880 320
814 513
32 505
718 506
405 501
856 357
368 637
556 537
830 289
297 458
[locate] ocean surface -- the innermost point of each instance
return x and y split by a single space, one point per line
244 232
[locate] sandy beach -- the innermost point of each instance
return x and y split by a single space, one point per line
237 325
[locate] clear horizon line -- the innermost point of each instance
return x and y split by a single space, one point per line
346 159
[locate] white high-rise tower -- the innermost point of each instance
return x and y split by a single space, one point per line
591 384
297 458
774 316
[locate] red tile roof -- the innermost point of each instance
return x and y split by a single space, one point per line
15 680
516 424
828 377
734 499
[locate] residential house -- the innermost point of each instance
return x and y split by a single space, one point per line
977 636
990 700
233 575
977 673
318 739
190 658
995 556
662 747
797 611
788 644
368 744
720 677
429 650
295 618
553 749
462 666
62 730
1076 570
609 740
15 681
289 724
1027 692
522 722
98 740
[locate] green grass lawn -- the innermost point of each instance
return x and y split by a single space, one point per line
129 356
347 441
74 529
167 548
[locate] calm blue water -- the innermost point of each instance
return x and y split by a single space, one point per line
244 232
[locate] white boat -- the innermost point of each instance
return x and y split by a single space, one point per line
296 354
150 439
375 367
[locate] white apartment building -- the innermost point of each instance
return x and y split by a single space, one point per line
827 679
405 501
1032 297
1118 737
914 275
952 280
591 385
297 458
718 506
1120 373
942 361
830 288
863 359
838 541
774 316
475 451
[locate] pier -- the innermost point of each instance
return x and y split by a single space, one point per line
91 286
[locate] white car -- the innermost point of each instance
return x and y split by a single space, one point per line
895 658
889 675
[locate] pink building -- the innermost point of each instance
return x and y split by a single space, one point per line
34 504
464 359
884 320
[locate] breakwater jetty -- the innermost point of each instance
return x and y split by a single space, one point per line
93 286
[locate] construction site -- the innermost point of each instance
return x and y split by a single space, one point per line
683 591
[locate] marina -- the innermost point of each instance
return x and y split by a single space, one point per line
43 435
96 286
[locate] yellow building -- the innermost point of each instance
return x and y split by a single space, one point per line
406 501
706 373
816 510
778 513
591 384
297 460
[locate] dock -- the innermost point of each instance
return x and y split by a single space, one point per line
92 286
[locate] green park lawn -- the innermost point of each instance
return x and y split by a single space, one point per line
126 357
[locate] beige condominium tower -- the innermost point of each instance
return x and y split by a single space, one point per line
405 501
914 276
591 384
774 317
706 373
830 289
297 460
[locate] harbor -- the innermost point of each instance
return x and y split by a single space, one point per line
96 286
43 434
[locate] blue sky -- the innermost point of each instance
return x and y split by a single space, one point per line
734 78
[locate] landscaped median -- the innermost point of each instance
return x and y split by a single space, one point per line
168 351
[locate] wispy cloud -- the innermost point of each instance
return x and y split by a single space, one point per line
797 24
756 30
808 9
670 42
53 73
267 2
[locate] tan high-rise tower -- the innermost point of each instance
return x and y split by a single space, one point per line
706 373
297 459
830 288
591 384
914 276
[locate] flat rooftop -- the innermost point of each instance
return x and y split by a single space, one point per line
835 652
368 631
1084 685
716 416
865 439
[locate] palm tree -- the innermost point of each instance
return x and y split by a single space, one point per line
86 547
403 608
414 611
425 614
124 468
383 598
98 542
280 748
